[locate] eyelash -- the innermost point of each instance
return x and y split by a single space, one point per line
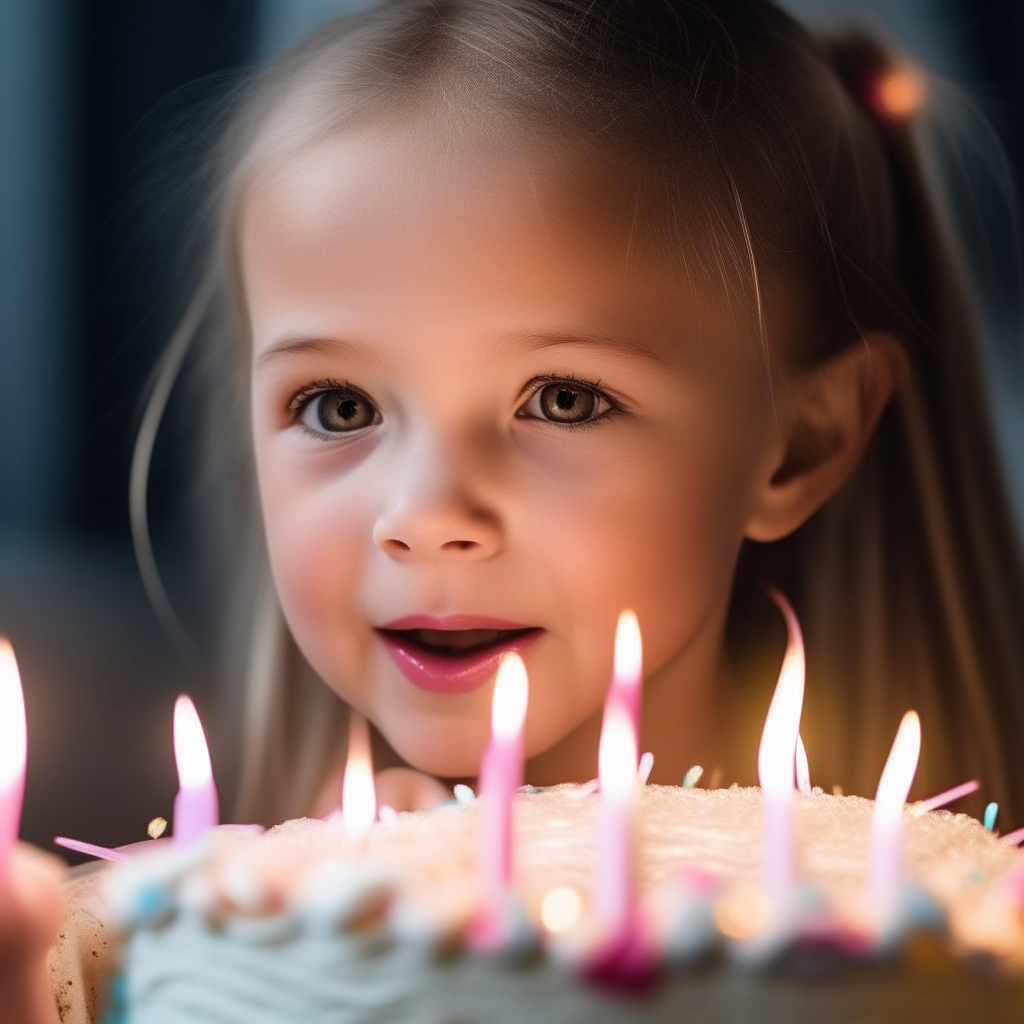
301 399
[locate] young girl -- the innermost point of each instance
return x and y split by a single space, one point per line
550 308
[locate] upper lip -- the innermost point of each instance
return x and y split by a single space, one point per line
452 622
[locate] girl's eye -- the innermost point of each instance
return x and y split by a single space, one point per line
339 411
566 402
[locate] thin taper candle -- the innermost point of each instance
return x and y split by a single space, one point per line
13 752
776 758
887 817
501 775
196 808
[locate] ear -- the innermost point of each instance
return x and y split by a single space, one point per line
830 416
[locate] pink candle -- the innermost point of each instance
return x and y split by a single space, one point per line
617 768
13 752
501 774
887 817
627 676
358 793
776 759
195 806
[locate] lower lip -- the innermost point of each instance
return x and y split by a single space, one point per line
440 673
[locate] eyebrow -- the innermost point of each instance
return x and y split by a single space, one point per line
525 341
614 343
315 345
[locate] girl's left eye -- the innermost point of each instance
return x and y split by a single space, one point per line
566 401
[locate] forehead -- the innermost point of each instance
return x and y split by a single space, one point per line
380 224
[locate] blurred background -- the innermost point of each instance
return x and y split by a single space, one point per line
94 95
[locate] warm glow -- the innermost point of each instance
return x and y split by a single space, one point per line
900 93
358 794
628 649
617 755
560 909
803 769
743 912
511 692
898 773
777 753
13 734
190 751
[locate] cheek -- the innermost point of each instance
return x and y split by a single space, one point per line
317 530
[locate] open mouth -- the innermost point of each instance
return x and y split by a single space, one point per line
453 660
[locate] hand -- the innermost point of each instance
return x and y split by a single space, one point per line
31 911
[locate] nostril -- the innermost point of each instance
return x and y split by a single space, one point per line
459 545
398 545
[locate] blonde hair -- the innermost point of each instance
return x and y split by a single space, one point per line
755 143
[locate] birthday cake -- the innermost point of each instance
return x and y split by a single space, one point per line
305 923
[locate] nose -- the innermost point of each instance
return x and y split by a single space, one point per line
432 513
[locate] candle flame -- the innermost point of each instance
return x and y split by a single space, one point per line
899 770
617 754
13 731
560 909
628 649
803 769
511 693
777 753
358 793
191 754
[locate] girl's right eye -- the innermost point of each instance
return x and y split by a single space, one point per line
338 411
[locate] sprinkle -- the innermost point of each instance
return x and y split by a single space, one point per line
156 827
643 772
716 779
387 814
941 799
589 787
463 794
531 790
837 790
990 815
89 849
692 776
1013 838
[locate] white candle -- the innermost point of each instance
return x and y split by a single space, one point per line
195 807
776 759
358 793
13 752
887 818
617 770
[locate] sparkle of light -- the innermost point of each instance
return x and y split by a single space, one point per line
617 755
628 648
560 909
13 733
743 913
775 756
901 92
190 751
511 692
358 793
156 827
899 770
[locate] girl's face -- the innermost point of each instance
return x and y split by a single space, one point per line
483 422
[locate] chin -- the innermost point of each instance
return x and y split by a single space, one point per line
457 759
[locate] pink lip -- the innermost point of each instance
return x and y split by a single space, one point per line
440 673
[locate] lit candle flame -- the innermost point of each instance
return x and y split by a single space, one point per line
13 731
13 751
777 753
511 692
358 793
191 754
628 649
803 768
887 820
617 756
